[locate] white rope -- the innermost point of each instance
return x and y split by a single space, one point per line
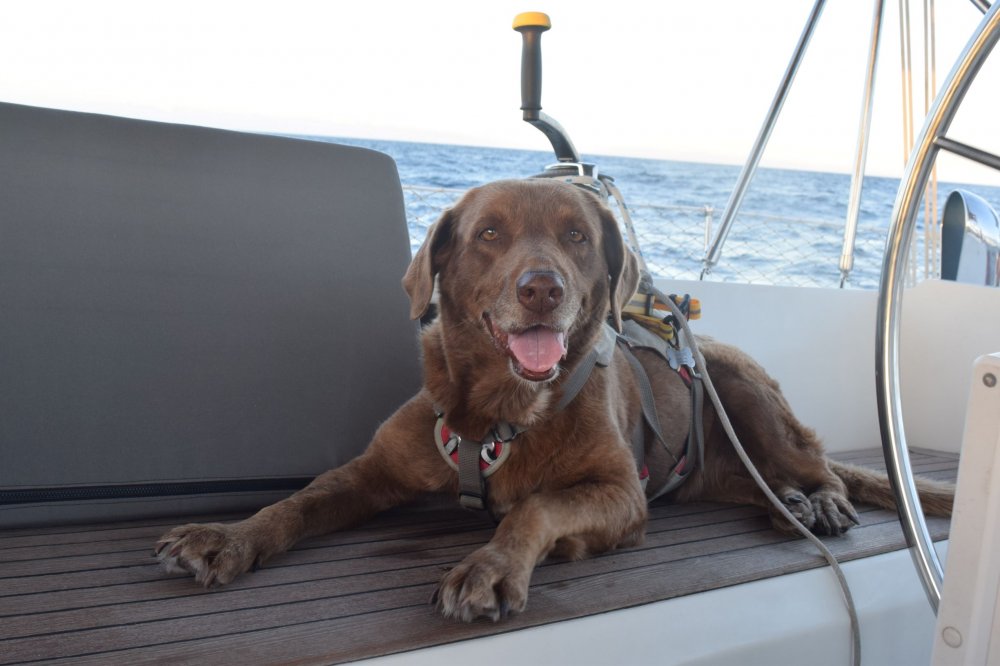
633 238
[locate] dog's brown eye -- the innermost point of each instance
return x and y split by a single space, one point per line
488 234
576 236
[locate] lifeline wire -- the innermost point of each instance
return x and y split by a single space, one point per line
728 427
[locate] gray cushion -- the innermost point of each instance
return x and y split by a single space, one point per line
190 319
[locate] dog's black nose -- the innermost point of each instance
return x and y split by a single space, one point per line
540 291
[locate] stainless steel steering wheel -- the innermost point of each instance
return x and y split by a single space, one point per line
931 140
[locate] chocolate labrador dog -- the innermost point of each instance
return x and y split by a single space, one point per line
529 272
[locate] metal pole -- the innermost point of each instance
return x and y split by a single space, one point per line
708 210
750 167
890 301
906 78
861 156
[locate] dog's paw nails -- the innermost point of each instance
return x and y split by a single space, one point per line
796 498
485 585
834 513
209 581
799 506
214 554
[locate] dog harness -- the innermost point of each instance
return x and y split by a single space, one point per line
476 461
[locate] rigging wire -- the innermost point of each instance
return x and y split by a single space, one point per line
906 61
932 225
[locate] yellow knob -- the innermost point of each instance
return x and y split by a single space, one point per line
532 20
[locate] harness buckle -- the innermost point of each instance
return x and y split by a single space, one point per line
680 357
489 452
502 432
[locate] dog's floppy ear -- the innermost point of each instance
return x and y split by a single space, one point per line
426 264
623 269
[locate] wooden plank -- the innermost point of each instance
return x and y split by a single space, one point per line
53 559
53 545
872 457
94 528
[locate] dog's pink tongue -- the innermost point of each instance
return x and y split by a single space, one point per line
537 349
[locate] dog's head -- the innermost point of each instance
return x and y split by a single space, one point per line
535 266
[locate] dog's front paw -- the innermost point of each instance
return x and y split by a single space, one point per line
487 583
798 505
214 553
834 513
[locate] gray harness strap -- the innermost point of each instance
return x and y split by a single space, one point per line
679 359
471 484
645 394
697 423
600 355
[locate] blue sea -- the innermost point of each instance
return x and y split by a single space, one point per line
789 230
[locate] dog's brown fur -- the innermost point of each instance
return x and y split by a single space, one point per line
570 485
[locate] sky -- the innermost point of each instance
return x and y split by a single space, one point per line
673 79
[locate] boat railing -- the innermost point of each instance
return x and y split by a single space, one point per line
762 249
713 252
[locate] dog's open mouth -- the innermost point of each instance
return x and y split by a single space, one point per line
534 352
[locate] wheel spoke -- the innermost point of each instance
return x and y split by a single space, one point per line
968 152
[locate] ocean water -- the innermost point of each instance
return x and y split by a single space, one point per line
789 230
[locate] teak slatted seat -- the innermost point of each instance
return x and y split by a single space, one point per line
92 593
